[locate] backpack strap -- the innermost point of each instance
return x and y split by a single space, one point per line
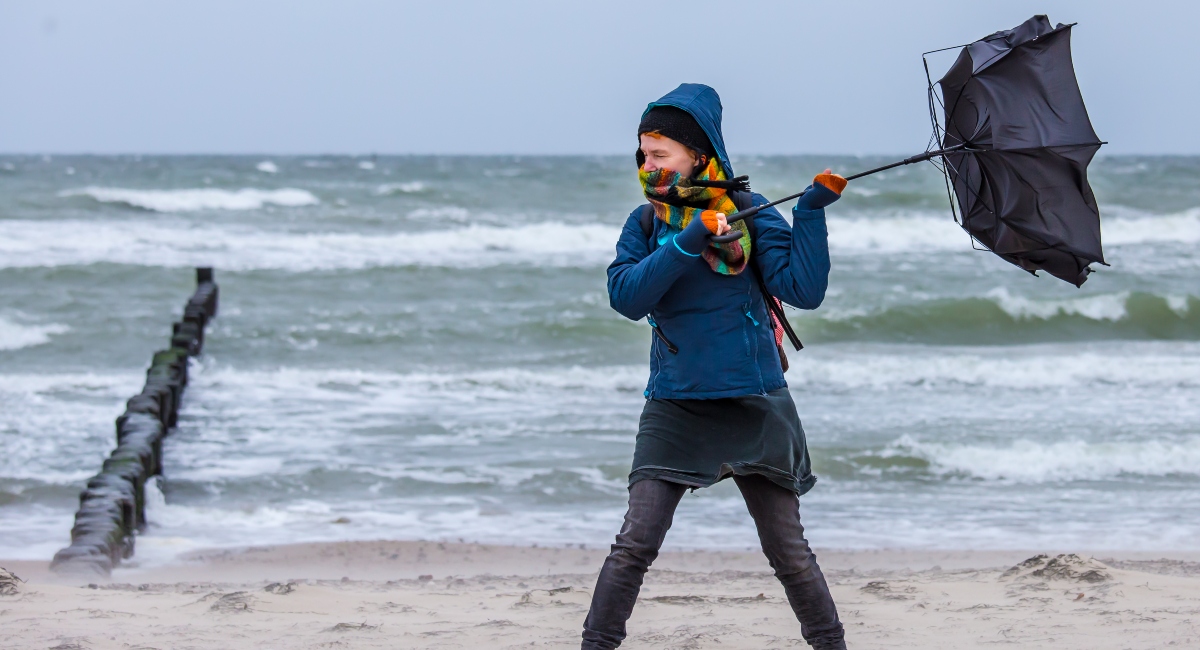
646 220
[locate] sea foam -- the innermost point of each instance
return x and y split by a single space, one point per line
57 243
463 242
1133 227
1031 461
883 367
920 231
14 336
411 187
895 234
193 200
1109 307
61 423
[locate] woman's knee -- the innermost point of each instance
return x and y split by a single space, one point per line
776 513
652 506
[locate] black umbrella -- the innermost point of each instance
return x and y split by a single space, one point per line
1015 149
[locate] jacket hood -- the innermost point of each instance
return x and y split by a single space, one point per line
704 105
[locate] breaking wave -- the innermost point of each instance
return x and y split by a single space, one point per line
193 200
390 189
1030 461
896 234
1024 369
1000 317
304 385
465 242
61 243
14 336
1134 227
61 424
920 231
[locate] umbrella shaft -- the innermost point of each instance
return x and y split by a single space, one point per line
907 161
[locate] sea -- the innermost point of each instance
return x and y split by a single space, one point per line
422 348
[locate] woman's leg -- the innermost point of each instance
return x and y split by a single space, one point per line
651 507
776 513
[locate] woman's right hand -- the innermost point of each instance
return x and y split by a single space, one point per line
831 181
715 222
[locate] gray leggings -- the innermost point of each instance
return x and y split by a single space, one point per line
776 513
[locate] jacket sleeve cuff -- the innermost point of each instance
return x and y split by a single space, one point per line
816 197
693 239
680 248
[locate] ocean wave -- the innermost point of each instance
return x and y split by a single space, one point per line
557 389
267 167
1138 228
896 234
175 529
1031 461
1104 307
466 243
425 410
59 243
1026 368
193 200
480 385
390 189
1002 317
61 424
921 231
14 336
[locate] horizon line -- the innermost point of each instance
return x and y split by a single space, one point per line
371 154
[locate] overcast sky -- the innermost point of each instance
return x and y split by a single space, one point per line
346 76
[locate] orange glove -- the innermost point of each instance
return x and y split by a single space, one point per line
709 217
831 181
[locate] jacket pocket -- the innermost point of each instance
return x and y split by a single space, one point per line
715 353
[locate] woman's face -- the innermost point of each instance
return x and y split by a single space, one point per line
664 153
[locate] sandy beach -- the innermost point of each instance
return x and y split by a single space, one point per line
448 595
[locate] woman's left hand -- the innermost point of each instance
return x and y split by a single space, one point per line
826 188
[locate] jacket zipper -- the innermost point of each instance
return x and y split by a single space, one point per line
658 332
657 351
753 339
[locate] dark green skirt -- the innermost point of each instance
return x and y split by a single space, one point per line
698 442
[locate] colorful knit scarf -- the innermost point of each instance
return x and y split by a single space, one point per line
676 200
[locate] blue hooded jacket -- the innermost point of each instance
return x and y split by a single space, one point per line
719 323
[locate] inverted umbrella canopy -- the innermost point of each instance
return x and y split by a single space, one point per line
1016 145
1018 142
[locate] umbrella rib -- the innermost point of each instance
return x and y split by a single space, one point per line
978 196
1041 147
932 111
985 39
946 166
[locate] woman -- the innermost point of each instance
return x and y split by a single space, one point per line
717 404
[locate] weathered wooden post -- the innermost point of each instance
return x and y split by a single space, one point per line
112 508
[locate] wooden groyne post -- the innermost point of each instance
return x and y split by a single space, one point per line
112 508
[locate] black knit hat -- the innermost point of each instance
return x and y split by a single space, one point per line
679 125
